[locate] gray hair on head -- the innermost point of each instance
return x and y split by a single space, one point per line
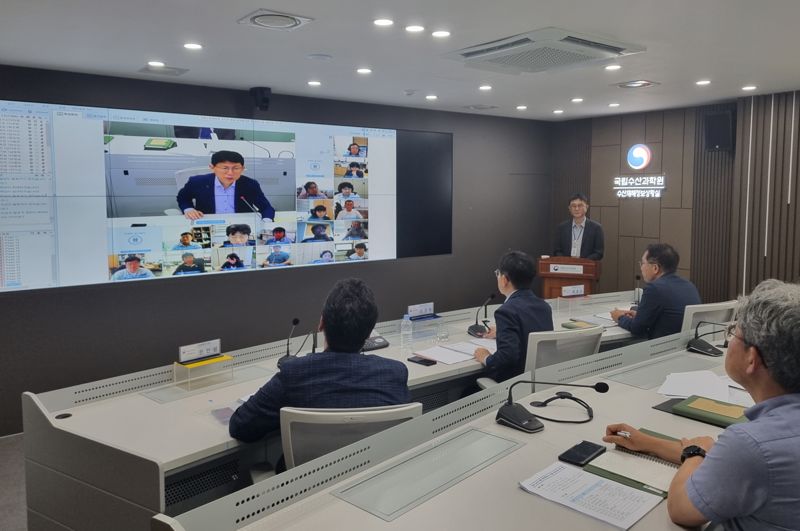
769 319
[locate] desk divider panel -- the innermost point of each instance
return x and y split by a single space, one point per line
249 504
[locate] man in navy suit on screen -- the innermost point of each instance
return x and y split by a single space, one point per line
339 377
224 191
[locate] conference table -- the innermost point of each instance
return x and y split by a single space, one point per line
466 478
115 452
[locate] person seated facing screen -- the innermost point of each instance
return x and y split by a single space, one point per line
325 257
349 212
319 213
224 191
133 270
520 314
232 261
339 377
238 235
354 171
346 192
580 236
356 232
189 266
186 243
664 298
311 191
320 234
353 150
360 252
279 236
277 257
749 479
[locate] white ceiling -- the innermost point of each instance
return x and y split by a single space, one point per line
730 42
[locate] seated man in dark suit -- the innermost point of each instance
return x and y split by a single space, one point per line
225 191
580 236
521 313
339 377
664 299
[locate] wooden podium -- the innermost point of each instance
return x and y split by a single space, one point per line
577 275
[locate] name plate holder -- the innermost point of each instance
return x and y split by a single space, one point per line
197 374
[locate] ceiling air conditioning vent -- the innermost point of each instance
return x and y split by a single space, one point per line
541 50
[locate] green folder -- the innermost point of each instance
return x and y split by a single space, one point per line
714 412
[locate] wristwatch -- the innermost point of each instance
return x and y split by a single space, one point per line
692 451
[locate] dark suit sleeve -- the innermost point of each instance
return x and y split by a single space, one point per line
256 197
260 414
186 195
598 243
508 344
646 315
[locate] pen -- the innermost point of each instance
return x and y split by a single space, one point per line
625 434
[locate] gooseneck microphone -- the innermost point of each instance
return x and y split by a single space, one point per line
251 207
516 416
478 330
295 322
702 346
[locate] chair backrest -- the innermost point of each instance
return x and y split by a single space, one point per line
548 348
309 433
181 176
717 312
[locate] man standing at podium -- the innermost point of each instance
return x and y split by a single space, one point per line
579 237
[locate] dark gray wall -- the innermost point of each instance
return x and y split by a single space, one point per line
59 337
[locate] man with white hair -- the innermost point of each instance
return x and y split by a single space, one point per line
749 479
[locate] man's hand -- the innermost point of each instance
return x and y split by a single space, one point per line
481 354
617 313
638 441
192 214
491 333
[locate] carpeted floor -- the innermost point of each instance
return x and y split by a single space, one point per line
12 484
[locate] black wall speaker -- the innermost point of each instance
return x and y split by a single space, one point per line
261 97
719 131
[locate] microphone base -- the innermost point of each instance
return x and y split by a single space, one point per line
703 347
517 417
476 330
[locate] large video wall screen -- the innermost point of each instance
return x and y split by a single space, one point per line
92 195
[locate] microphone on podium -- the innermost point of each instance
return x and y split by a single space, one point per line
478 330
295 322
251 207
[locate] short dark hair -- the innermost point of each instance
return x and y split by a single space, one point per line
278 229
241 228
664 255
186 255
355 165
353 144
321 208
308 185
185 233
361 246
132 258
326 251
345 184
234 256
578 196
349 315
519 268
226 156
324 227
349 201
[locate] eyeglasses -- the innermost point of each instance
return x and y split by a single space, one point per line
730 333
497 273
232 169
643 263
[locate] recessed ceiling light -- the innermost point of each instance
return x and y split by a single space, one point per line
558 111
431 97
441 34
319 57
613 67
414 29
749 87
485 87
703 82
314 83
637 83
576 100
613 104
522 107
157 64
193 46
383 22
364 70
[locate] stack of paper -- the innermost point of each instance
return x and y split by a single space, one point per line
707 384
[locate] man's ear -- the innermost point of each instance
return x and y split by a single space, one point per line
321 326
210 166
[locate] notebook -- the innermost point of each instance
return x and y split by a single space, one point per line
635 469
